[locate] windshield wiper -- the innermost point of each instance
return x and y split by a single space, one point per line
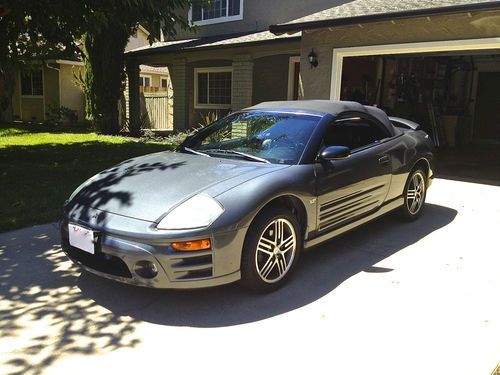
195 152
239 153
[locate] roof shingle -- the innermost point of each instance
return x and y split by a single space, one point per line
361 8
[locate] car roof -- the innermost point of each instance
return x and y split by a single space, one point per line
332 107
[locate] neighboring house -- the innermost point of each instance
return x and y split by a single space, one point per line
425 59
52 84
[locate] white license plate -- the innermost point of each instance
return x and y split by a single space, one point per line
81 238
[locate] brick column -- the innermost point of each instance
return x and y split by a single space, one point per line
242 82
178 76
134 97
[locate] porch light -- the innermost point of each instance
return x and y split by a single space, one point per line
313 59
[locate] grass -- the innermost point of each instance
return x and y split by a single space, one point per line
40 167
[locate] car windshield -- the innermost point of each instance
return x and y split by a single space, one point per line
269 137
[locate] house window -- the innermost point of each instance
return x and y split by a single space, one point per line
32 83
203 13
145 81
164 83
212 87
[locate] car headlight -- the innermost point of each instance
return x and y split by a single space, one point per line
197 212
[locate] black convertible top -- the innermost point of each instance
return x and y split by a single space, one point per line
332 107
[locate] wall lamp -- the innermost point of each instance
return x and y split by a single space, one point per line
313 59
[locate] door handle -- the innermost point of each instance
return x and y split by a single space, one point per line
384 160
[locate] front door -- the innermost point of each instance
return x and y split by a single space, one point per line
350 188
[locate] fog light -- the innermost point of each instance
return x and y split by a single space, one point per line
146 269
192 245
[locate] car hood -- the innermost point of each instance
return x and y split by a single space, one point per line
147 187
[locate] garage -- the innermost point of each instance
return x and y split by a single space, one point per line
436 63
449 87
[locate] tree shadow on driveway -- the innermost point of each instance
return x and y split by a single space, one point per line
320 271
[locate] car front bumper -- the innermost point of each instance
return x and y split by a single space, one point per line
145 258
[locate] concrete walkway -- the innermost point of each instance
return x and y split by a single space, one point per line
389 298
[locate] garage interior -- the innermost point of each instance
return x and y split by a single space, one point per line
455 97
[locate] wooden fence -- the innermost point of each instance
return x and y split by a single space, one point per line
158 110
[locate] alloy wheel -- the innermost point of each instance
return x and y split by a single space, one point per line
276 250
416 193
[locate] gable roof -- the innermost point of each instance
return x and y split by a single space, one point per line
360 11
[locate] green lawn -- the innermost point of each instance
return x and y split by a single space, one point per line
40 167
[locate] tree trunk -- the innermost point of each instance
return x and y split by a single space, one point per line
104 76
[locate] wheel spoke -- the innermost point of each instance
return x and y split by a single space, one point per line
286 241
414 205
415 181
411 193
267 241
264 250
268 267
289 246
281 265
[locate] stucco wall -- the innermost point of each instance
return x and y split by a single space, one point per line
464 26
259 14
71 94
51 87
270 78
32 109
16 99
139 40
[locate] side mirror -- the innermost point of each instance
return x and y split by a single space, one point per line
334 153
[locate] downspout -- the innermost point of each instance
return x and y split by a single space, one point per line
58 81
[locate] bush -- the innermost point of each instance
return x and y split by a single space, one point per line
58 115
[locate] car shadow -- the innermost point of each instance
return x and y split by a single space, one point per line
320 271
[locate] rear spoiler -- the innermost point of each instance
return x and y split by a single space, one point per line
404 123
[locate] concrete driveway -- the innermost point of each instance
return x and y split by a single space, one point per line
389 298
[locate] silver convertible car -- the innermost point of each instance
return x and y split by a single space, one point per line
242 198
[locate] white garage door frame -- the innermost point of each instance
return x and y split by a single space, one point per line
396 49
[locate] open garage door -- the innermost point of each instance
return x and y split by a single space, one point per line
451 88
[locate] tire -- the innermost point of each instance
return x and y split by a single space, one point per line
414 195
265 267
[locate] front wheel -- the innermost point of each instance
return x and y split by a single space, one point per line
414 196
271 250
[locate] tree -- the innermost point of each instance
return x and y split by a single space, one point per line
110 24
30 30
103 29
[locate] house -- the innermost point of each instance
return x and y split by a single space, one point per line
230 61
51 84
433 61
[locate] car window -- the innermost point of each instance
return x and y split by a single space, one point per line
354 133
276 137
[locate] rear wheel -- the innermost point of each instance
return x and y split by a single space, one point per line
414 195
271 250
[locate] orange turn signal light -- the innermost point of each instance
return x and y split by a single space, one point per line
192 245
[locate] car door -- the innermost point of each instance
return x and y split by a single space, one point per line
352 187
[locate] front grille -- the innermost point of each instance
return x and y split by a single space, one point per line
192 266
101 262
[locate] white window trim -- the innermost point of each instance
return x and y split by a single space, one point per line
404 48
217 69
291 75
150 79
33 96
212 21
